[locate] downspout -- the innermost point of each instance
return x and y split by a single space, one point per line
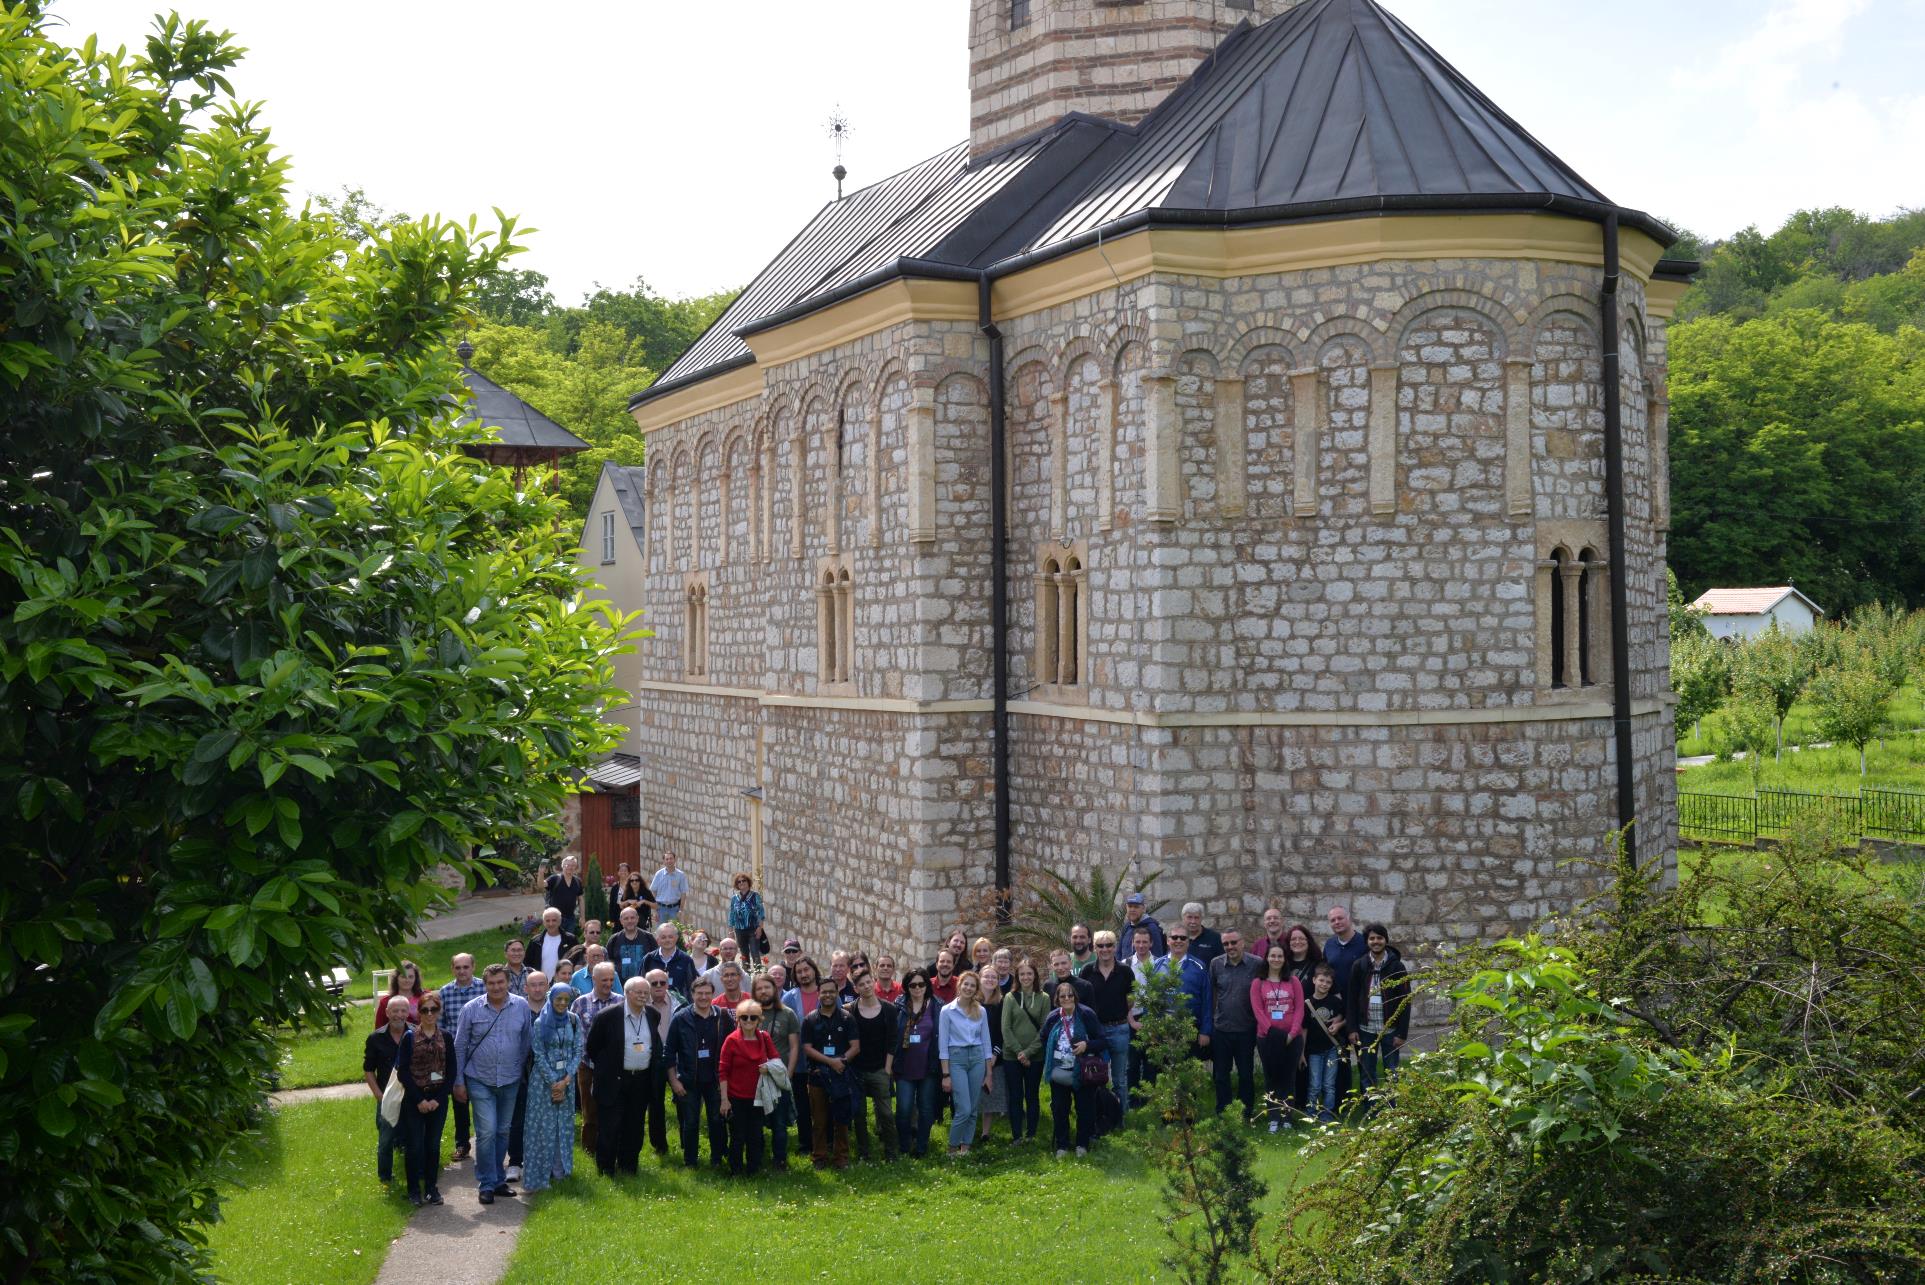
1619 570
998 592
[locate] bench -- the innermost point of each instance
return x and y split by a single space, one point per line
335 983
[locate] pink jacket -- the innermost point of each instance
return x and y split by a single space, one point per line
1284 997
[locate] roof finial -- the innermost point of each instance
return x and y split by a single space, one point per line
465 350
839 132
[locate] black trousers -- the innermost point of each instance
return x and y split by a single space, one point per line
618 1129
516 1131
1238 1048
421 1146
1023 1088
655 1107
1060 1098
700 1096
1281 1062
745 1136
462 1126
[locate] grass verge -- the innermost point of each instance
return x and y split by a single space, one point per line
1898 764
1907 712
1014 1213
304 1205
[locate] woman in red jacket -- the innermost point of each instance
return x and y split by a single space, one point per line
1276 997
747 1047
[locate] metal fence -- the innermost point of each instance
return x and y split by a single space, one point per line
1874 813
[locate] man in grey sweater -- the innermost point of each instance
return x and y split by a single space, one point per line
1235 1036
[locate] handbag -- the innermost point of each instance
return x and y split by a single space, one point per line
392 1095
1092 1070
761 940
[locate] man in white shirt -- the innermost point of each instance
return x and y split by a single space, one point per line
628 1058
727 952
548 949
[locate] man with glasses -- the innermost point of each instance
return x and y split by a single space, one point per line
496 1032
1194 978
454 997
1111 982
1233 1034
695 1038
626 1050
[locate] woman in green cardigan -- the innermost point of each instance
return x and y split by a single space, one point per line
1025 1009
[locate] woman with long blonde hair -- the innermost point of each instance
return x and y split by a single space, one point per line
968 1058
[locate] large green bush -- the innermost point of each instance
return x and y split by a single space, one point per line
272 648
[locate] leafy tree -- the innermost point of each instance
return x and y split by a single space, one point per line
1772 669
1851 700
1208 1160
1700 675
273 649
1890 638
1686 621
660 328
514 297
1749 726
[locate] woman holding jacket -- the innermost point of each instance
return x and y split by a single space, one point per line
1070 1032
1025 1010
426 1065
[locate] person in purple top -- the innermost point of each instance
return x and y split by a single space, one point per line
915 1065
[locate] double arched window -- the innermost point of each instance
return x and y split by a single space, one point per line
1061 616
1572 588
835 620
695 626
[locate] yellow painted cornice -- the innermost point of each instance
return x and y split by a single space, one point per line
721 390
889 304
1661 298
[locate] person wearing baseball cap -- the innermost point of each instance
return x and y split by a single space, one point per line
1135 917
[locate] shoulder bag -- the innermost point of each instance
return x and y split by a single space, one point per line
392 1095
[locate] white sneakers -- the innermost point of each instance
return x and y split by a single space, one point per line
513 1174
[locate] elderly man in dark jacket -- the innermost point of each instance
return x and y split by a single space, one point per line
1377 1007
626 1049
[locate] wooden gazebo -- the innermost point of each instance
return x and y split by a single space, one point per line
524 437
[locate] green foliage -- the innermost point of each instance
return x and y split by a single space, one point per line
1750 273
273 649
660 329
1851 699
1208 1160
1750 727
1045 905
1772 669
594 897
1700 675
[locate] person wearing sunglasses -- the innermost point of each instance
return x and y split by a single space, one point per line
917 1018
747 1047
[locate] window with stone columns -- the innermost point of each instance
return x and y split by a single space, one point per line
835 624
1062 621
695 625
1573 600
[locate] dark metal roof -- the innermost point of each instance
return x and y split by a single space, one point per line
618 773
627 482
516 423
1332 109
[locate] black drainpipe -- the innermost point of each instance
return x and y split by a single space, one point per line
1619 571
998 591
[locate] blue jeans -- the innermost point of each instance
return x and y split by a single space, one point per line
915 1113
494 1106
1118 1039
387 1141
1377 1060
965 1092
1323 1084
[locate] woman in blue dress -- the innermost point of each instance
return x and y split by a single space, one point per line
549 1153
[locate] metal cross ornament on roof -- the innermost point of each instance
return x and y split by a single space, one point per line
838 127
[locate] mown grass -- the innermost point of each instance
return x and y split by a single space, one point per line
1899 763
434 958
313 1058
1004 1213
1907 713
304 1205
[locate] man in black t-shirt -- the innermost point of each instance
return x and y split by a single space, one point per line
829 1044
377 1064
876 1034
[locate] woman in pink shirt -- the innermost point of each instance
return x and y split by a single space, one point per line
1276 997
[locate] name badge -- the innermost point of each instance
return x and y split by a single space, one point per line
915 1037
434 1077
637 1046
828 1050
1276 1015
561 1064
701 1052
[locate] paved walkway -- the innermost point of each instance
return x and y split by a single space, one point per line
326 1093
475 914
462 1242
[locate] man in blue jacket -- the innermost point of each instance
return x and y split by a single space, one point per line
669 956
694 1053
1194 978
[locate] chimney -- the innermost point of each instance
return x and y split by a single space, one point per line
1033 61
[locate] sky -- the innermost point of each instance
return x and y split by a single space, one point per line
684 143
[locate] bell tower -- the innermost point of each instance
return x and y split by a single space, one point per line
1032 61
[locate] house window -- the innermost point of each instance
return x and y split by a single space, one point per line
695 627
835 619
625 812
1018 14
1061 616
608 536
1572 607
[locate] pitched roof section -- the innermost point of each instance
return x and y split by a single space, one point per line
1749 602
515 421
1332 108
627 482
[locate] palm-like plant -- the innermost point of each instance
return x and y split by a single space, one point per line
1045 905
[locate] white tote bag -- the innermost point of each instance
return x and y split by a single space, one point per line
391 1096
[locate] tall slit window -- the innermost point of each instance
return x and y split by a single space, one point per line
608 535
695 627
1585 582
1559 561
835 622
1572 610
1061 589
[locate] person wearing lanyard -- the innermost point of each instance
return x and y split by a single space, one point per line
549 1152
747 1047
626 1051
670 887
586 1008
1276 997
695 1038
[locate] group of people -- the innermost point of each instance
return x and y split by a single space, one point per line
856 1058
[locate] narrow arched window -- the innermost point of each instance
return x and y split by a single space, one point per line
1560 565
1587 580
1069 598
845 627
1047 581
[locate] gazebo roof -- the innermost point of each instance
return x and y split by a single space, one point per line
518 426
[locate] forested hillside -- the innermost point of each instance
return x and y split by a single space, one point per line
1798 411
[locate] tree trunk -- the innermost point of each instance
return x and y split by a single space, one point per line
1779 757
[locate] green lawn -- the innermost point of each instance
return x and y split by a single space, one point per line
1907 711
1898 764
312 1058
433 957
1011 1213
304 1206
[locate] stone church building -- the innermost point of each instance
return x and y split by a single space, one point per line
1243 457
